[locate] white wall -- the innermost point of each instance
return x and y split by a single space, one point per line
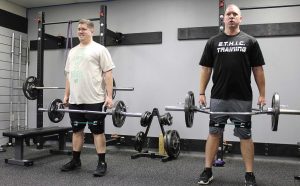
13 8
163 73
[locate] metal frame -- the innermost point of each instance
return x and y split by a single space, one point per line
106 37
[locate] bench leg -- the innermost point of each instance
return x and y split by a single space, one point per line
19 153
61 145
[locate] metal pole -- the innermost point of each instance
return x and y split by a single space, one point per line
103 25
19 83
65 22
131 114
173 108
93 112
11 118
40 67
291 112
265 7
26 75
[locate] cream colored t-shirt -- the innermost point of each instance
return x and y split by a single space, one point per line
84 69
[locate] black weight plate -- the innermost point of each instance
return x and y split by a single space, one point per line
146 119
29 88
166 140
172 143
166 119
114 91
117 117
276 111
54 115
139 141
189 104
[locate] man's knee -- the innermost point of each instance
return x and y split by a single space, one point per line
242 133
97 127
216 131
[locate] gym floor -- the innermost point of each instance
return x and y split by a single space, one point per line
122 170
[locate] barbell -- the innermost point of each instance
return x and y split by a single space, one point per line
56 112
30 88
190 108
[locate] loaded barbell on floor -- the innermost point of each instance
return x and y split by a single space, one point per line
190 108
56 112
30 88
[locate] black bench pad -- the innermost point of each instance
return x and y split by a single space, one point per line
43 131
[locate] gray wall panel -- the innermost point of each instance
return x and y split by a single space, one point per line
5 81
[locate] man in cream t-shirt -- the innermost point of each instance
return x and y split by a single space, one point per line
89 85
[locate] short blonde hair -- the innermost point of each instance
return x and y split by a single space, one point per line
89 23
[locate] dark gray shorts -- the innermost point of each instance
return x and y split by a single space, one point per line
242 122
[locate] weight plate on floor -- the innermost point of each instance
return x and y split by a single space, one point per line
139 141
172 143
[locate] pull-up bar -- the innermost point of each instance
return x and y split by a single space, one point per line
71 21
264 7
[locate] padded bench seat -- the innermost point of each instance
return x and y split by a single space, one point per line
21 135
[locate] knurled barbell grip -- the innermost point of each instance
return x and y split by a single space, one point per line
114 88
84 111
174 108
94 112
77 111
48 88
236 113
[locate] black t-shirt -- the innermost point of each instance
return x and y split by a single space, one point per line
231 58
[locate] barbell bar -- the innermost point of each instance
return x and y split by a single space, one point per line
118 112
30 88
275 110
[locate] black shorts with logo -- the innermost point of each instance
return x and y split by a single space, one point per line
95 122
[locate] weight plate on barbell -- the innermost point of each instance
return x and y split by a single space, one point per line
276 111
139 141
118 117
172 143
146 119
114 91
189 104
53 114
166 119
28 88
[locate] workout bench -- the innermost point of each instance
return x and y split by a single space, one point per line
20 135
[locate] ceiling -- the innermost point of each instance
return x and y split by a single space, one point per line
41 3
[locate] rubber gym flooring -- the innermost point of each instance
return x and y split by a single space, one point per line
122 170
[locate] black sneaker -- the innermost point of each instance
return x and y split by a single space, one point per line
100 170
72 165
250 179
205 177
